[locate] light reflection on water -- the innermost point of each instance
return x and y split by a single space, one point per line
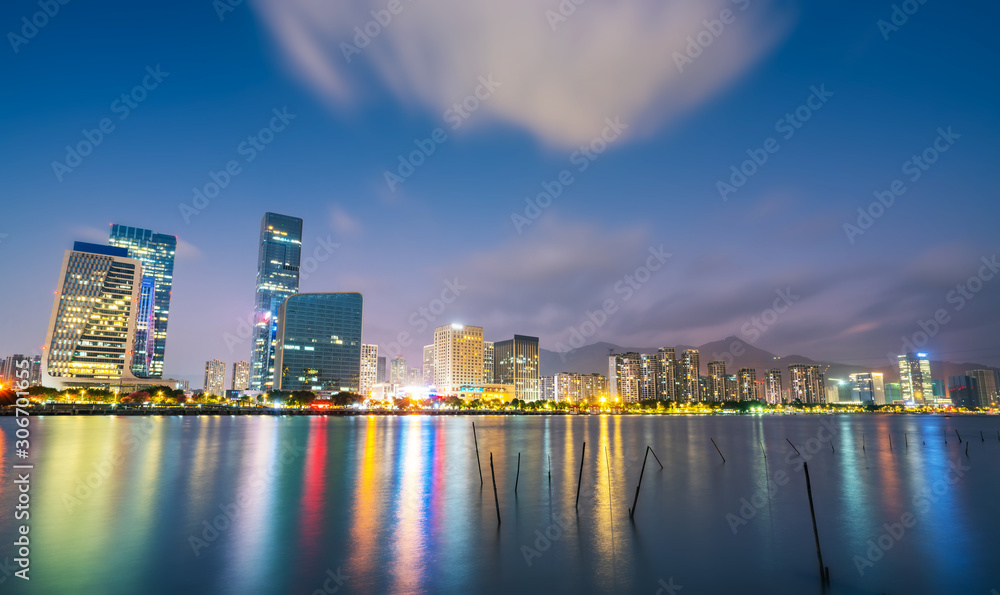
122 505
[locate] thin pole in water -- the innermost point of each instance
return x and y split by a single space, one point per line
496 498
793 447
550 468
717 448
762 449
959 436
478 462
579 479
812 512
981 437
863 442
650 448
631 511
517 479
966 449
906 440
890 442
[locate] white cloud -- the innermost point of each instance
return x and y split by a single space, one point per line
607 59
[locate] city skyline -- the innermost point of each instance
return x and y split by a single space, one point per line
856 295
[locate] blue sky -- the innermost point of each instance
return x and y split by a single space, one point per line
656 183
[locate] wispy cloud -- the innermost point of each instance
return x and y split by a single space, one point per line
560 78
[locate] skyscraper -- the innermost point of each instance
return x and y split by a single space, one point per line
91 333
986 383
868 388
716 381
965 392
278 257
380 370
215 378
318 342
156 253
488 362
428 365
144 345
772 387
691 370
369 368
625 376
747 378
241 375
397 371
807 383
669 375
651 379
915 379
458 357
516 363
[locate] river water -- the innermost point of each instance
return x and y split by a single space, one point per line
395 504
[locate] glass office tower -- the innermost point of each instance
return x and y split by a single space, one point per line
516 363
156 253
278 259
144 350
318 342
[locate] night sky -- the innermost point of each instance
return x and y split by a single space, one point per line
838 104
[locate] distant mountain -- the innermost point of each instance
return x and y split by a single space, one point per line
735 352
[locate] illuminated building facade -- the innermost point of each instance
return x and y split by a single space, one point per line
215 378
986 381
380 370
278 257
369 368
573 387
145 320
156 253
91 333
516 363
747 379
397 371
915 380
458 357
651 377
807 383
241 375
488 368
868 388
772 387
716 381
624 376
669 373
691 375
428 365
318 342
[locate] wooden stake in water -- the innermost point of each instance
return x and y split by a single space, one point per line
959 436
631 511
762 449
863 442
890 442
906 440
793 447
477 454
550 468
517 479
966 449
981 437
579 480
496 498
717 449
812 512
650 449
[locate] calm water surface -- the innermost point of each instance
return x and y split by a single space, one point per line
395 505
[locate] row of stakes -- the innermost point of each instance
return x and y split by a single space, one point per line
824 571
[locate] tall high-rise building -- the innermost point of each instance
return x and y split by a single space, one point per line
397 371
458 358
91 333
414 377
893 392
144 345
747 378
278 256
318 342
488 351
691 370
574 387
965 392
16 371
915 379
669 382
156 253
215 378
241 375
868 388
807 383
625 376
428 365
986 382
369 368
716 381
772 387
380 375
547 388
651 378
516 363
